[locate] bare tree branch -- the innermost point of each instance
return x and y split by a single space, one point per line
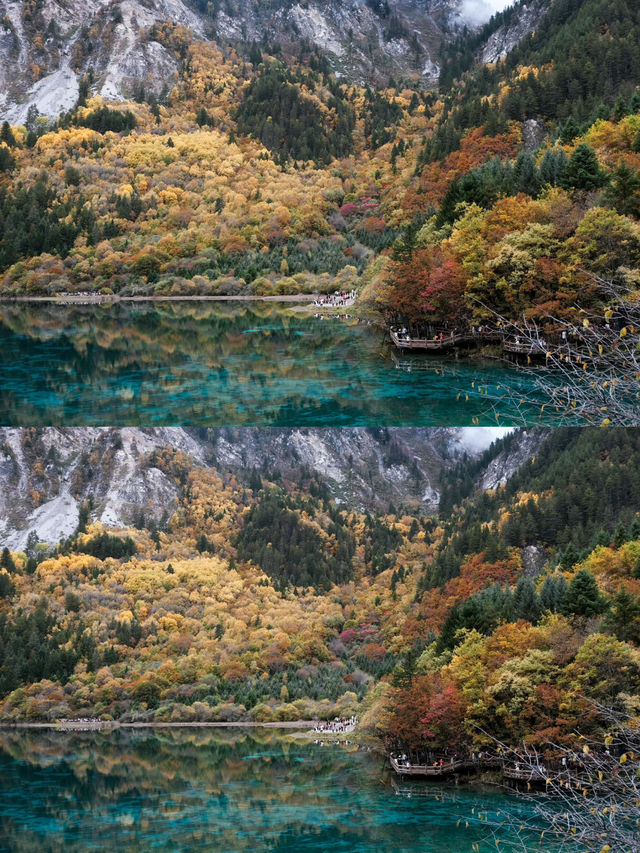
591 789
587 369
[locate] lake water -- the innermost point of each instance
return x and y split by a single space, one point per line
227 790
222 364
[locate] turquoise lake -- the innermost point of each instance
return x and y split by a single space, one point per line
223 364
230 790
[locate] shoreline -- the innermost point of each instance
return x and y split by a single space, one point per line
299 302
98 725
97 298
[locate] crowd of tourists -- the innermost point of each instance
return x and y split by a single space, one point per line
339 725
338 299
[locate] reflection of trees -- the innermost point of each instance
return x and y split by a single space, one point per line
217 789
214 780
233 363
120 761
126 334
179 354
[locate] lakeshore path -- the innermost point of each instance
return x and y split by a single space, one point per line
98 725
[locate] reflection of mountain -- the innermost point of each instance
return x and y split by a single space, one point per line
198 364
222 790
134 333
180 783
190 359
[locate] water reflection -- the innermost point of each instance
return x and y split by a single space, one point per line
219 789
195 363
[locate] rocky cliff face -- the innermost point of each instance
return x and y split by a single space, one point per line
46 46
509 460
506 37
45 474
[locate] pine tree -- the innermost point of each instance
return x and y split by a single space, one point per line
6 586
621 109
624 190
553 168
553 593
624 618
526 604
6 561
570 556
570 130
452 624
583 169
526 175
6 134
620 536
583 597
7 163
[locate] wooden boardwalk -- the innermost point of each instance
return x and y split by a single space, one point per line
524 347
436 769
524 774
446 342
511 773
453 340
440 342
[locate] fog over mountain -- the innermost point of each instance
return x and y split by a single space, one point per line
477 12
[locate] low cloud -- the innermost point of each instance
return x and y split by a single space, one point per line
478 12
477 439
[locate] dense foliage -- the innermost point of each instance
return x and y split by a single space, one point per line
36 220
514 191
33 646
553 74
104 119
291 550
293 124
579 488
264 600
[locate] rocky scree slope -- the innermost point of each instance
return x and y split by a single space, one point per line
46 474
48 46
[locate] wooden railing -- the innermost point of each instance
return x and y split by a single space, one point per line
510 772
403 768
524 774
524 347
440 342
407 342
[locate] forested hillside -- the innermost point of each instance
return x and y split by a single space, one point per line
239 180
513 190
507 200
532 176
260 598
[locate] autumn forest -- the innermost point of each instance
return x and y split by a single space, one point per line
260 598
513 190
439 595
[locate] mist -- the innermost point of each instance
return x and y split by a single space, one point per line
477 439
476 12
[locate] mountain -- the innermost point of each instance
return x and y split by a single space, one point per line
509 192
235 590
47 47
47 474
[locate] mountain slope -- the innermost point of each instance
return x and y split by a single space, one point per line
47 474
257 596
47 47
